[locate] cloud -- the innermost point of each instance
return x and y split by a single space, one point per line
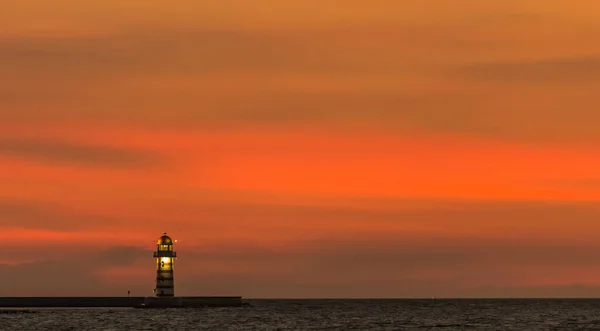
586 183
585 69
389 257
149 52
197 108
73 276
121 256
333 268
507 215
161 77
398 78
23 214
447 260
48 150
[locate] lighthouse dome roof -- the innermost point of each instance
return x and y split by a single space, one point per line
165 240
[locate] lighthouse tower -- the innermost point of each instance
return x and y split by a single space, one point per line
165 257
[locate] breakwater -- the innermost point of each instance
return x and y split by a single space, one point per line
115 302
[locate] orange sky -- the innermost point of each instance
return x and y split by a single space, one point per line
381 148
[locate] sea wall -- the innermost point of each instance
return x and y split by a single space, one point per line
57 302
116 302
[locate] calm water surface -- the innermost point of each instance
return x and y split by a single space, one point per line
484 315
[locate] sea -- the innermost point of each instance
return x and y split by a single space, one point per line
430 314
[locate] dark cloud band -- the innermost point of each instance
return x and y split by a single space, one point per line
76 153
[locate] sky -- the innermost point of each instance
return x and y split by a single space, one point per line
383 148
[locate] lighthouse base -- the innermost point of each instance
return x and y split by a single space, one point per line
161 303
190 302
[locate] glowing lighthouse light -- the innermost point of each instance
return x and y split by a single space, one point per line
165 257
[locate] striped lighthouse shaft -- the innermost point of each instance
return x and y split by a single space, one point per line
165 257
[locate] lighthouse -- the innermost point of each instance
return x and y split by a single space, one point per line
165 257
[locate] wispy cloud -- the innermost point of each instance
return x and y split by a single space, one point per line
48 150
73 276
585 69
327 268
40 215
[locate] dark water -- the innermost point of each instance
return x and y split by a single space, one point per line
327 315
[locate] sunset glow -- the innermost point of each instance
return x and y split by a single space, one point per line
382 148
